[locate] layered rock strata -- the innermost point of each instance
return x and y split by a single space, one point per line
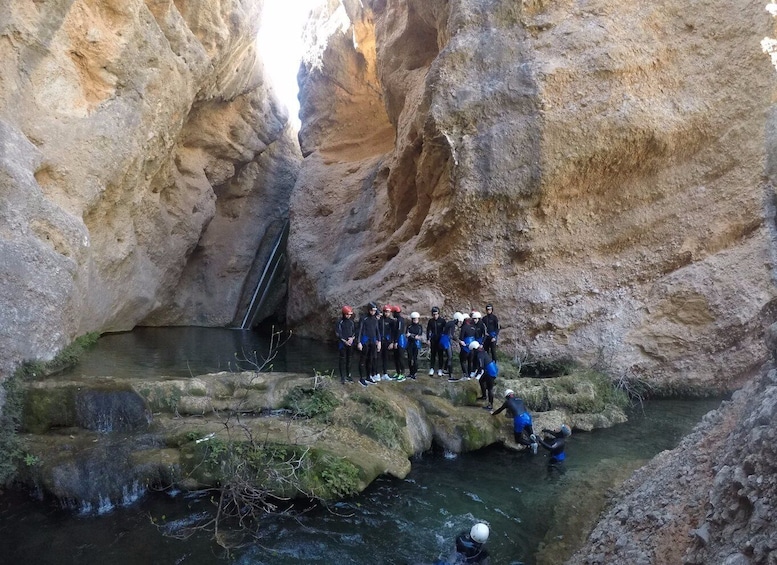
595 170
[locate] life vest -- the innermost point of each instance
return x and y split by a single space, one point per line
445 341
492 369
521 421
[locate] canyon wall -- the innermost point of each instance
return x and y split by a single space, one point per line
594 169
144 165
710 500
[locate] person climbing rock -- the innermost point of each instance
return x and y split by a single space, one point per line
522 422
555 442
434 329
345 330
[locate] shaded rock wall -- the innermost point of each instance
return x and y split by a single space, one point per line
595 170
143 163
710 500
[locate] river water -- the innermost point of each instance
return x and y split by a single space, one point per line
394 521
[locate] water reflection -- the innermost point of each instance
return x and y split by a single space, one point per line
188 351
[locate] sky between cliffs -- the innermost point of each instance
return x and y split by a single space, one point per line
280 45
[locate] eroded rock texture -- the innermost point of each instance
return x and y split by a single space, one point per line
595 170
711 500
144 163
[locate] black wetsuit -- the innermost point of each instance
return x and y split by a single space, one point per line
470 551
415 331
400 329
434 329
481 360
466 335
449 330
387 327
480 331
556 447
522 422
345 330
492 333
369 336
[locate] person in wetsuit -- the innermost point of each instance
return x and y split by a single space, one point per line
486 372
400 343
522 422
466 336
387 327
555 442
446 343
470 546
434 329
414 333
368 344
345 330
480 327
492 331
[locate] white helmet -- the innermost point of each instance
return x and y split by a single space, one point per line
414 315
565 431
479 533
508 392
459 317
476 315
474 345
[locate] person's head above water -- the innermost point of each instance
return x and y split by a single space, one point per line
479 533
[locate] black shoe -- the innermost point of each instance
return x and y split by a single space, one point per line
488 407
363 383
453 379
342 381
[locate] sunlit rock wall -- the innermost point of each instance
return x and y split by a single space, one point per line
143 161
594 169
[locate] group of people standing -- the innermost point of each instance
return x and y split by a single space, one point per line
390 339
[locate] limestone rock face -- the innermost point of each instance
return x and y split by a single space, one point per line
143 163
595 170
710 500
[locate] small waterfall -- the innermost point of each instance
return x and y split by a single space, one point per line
274 262
97 480
108 411
106 456
418 429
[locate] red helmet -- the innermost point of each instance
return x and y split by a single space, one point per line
388 308
347 310
396 309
